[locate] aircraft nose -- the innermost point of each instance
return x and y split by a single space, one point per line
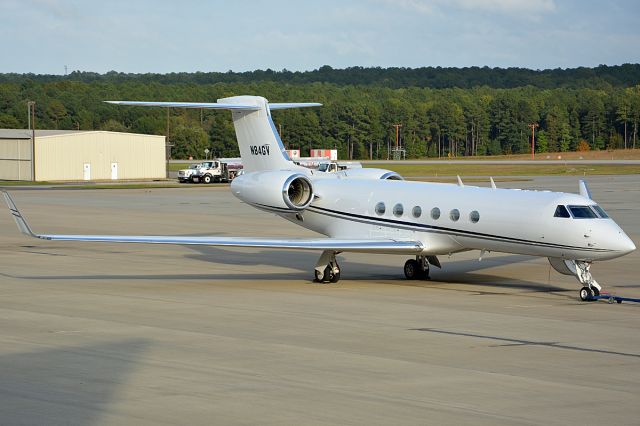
626 244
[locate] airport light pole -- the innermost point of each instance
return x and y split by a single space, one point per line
396 150
533 139
167 148
397 126
31 118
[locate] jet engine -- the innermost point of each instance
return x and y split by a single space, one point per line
274 189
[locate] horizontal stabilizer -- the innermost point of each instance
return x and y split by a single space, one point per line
215 105
205 105
294 105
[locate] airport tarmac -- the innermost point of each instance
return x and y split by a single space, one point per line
111 334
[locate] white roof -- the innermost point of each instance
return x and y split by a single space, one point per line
26 134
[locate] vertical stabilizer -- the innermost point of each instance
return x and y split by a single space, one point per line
259 142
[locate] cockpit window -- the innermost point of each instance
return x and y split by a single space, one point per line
561 211
600 211
582 212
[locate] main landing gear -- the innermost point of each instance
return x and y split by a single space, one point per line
327 269
418 268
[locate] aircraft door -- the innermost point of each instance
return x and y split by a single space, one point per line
114 171
86 171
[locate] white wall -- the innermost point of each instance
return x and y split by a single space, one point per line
62 157
15 159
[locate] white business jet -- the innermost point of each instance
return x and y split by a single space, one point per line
375 211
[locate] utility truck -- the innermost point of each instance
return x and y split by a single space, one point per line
216 171
185 175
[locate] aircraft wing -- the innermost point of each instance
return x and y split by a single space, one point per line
342 245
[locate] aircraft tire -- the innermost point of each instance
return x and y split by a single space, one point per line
586 294
325 277
412 269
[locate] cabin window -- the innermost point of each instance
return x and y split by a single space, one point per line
600 211
435 213
416 212
380 209
582 212
561 211
398 210
474 216
454 215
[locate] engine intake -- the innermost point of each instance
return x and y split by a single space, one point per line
297 192
274 189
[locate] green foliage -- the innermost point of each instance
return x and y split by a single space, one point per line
542 142
443 111
434 77
188 141
112 125
8 122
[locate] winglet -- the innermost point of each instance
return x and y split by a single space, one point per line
584 190
17 216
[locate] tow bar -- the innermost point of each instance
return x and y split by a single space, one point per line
611 298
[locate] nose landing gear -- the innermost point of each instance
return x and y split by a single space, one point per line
580 270
590 286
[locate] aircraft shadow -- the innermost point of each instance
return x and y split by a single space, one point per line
464 271
66 385
453 271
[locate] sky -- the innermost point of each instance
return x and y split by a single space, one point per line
159 36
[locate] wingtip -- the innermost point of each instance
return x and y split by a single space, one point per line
23 226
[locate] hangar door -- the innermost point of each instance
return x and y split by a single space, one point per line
15 159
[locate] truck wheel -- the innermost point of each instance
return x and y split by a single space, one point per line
206 179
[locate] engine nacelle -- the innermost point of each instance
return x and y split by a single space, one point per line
370 173
274 188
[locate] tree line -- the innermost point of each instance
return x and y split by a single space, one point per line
395 77
580 109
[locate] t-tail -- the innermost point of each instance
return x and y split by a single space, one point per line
260 145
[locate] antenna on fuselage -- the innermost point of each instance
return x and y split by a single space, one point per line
493 184
460 182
